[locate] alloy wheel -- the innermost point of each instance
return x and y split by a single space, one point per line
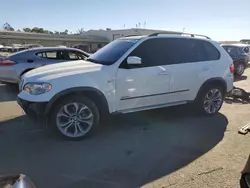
213 101
74 120
240 69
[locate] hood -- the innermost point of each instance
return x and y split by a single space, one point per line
61 70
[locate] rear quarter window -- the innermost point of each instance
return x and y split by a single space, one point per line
212 53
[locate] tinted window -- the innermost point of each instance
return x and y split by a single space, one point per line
211 52
76 56
112 52
166 51
231 49
152 52
188 50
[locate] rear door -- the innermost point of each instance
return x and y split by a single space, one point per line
191 63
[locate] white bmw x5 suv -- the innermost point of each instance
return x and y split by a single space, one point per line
129 74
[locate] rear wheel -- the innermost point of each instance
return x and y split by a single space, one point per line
75 117
239 69
210 100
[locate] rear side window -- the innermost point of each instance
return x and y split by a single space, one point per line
189 50
76 56
50 55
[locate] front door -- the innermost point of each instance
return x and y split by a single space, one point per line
144 85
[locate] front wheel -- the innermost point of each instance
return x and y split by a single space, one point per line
75 117
210 100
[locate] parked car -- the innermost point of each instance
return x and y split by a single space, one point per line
240 55
61 46
27 46
83 47
7 49
129 75
16 47
15 65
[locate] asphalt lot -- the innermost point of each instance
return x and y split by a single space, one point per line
158 148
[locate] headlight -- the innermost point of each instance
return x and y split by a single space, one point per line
37 88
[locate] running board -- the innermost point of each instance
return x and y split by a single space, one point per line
151 107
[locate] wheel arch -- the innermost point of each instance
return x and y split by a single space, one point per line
213 81
25 71
92 93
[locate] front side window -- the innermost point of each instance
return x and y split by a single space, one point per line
152 52
112 52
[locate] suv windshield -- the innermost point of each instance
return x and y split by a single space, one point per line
112 52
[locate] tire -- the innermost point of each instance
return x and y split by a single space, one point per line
239 68
77 127
210 100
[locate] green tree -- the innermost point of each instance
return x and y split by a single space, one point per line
8 27
26 29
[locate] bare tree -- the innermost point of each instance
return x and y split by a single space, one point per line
80 31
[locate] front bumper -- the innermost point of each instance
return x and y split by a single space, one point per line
32 108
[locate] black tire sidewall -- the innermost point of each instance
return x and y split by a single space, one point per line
89 103
201 98
237 64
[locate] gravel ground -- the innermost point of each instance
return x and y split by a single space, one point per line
158 148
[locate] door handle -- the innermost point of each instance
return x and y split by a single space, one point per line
163 73
206 68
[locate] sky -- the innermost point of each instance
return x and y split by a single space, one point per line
218 19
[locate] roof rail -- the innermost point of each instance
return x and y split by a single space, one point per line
181 33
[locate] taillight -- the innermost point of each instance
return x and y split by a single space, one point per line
6 62
232 68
